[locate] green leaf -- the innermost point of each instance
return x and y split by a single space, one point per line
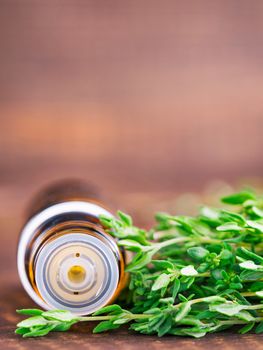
110 309
250 265
259 328
165 326
153 311
189 271
30 312
256 286
210 213
156 322
225 254
163 264
248 255
182 298
140 260
131 245
249 203
246 328
256 225
213 299
258 212
39 332
206 314
106 221
184 310
105 326
63 327
33 322
126 219
169 300
191 321
210 216
194 332
22 330
234 217
229 226
247 275
245 316
175 288
238 198
229 309
162 281
197 253
122 319
60 315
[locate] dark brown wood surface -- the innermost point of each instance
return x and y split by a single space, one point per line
147 99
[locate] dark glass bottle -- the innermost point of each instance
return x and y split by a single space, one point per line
65 258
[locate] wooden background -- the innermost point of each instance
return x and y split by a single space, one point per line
147 99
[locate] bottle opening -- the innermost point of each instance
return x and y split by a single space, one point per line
76 274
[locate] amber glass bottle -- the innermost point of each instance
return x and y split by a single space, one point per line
65 258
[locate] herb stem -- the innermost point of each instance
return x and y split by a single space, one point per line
146 316
172 241
249 294
110 317
236 322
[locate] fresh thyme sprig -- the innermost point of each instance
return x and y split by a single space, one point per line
189 275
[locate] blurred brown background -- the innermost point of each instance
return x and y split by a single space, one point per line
140 97
137 95
147 99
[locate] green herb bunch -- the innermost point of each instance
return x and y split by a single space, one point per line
189 276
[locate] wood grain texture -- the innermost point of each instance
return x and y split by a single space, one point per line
147 99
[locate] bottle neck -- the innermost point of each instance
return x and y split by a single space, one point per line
63 191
